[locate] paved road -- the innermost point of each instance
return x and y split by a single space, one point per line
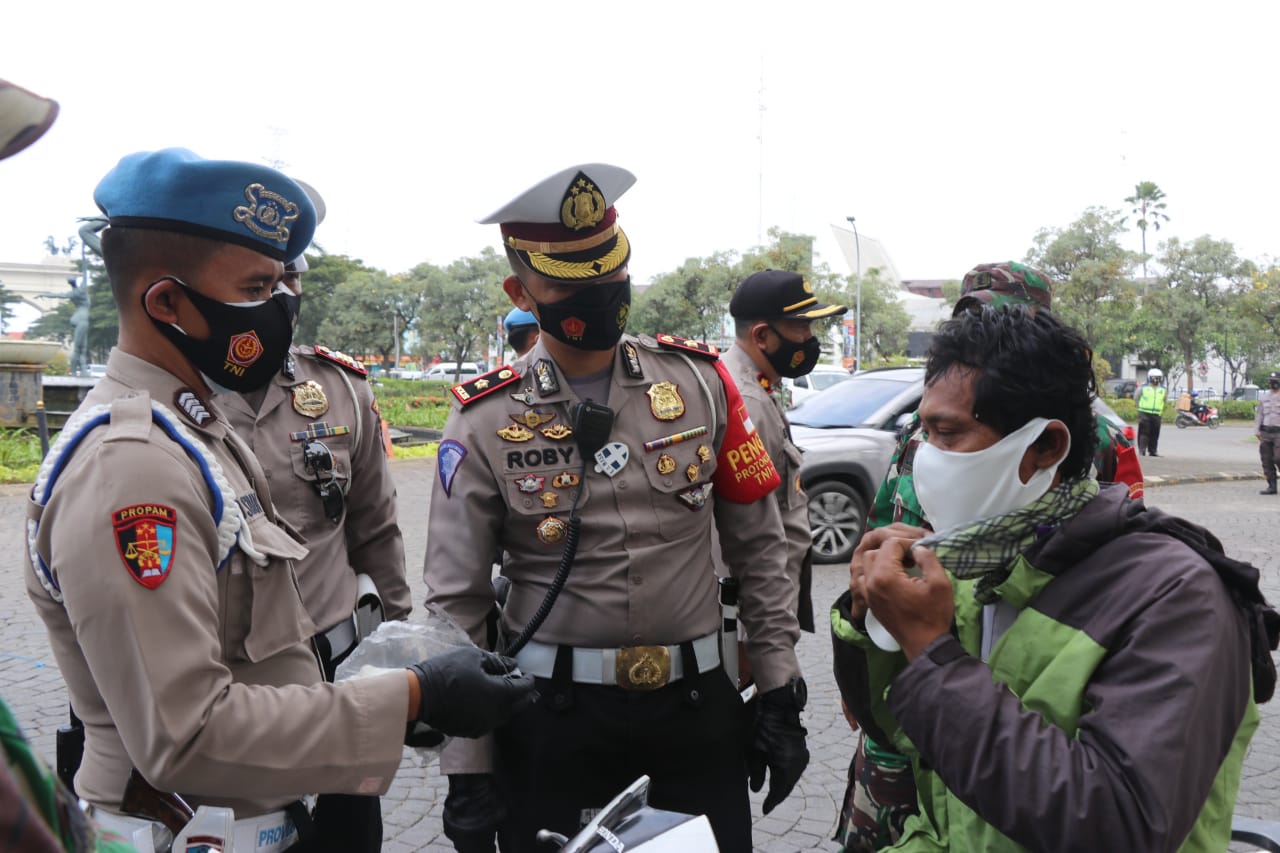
1232 508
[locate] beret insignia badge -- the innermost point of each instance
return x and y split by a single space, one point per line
268 214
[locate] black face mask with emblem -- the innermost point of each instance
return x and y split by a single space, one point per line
247 341
792 359
593 318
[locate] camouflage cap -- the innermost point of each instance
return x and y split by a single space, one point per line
1007 283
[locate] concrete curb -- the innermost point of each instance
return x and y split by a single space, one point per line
1221 476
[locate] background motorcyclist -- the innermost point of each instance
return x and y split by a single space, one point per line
1199 410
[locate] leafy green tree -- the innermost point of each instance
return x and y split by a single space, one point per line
1148 202
1190 298
1247 334
360 315
319 285
7 298
460 305
692 301
1091 272
951 293
104 321
884 320
54 325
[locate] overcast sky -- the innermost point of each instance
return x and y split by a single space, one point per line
952 131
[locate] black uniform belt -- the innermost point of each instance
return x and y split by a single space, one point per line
632 667
1270 429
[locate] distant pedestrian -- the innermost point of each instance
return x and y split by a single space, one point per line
1266 426
1150 398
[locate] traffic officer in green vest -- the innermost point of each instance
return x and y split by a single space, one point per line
1150 399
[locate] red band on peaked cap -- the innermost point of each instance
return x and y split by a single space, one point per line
554 232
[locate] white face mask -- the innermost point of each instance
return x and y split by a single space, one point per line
955 489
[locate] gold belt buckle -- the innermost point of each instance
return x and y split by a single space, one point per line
643 667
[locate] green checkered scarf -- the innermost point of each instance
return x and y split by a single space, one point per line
986 548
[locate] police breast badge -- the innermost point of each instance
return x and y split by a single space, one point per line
665 402
551 530
145 540
309 399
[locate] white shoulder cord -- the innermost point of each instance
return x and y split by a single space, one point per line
711 400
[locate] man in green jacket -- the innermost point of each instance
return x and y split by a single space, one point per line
1074 669
881 793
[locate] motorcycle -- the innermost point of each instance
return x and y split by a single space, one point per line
1207 417
630 823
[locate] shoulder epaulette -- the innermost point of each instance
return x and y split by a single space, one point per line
341 358
482 386
688 345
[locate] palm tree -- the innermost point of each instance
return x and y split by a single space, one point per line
1148 203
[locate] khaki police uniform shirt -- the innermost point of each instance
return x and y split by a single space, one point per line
1268 411
771 424
206 683
643 573
324 397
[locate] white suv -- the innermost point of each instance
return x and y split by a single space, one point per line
446 370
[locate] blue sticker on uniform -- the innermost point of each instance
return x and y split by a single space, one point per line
449 457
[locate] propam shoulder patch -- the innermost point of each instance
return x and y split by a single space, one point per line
482 386
675 342
341 358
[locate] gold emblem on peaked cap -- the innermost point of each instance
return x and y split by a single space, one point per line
582 205
808 288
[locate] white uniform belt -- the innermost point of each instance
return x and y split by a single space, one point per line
267 833
342 638
632 668
272 832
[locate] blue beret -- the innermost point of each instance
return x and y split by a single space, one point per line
242 203
518 317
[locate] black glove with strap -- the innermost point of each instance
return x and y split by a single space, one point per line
473 810
469 692
777 742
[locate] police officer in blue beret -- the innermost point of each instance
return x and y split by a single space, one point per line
522 330
156 560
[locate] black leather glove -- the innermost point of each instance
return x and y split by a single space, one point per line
777 742
469 692
472 812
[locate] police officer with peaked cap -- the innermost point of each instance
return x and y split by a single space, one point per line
774 312
615 455
155 558
317 433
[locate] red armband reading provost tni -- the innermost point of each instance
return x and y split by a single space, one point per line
744 471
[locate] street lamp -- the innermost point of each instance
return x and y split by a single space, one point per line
857 311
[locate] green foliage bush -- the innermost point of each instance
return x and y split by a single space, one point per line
1228 410
413 403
